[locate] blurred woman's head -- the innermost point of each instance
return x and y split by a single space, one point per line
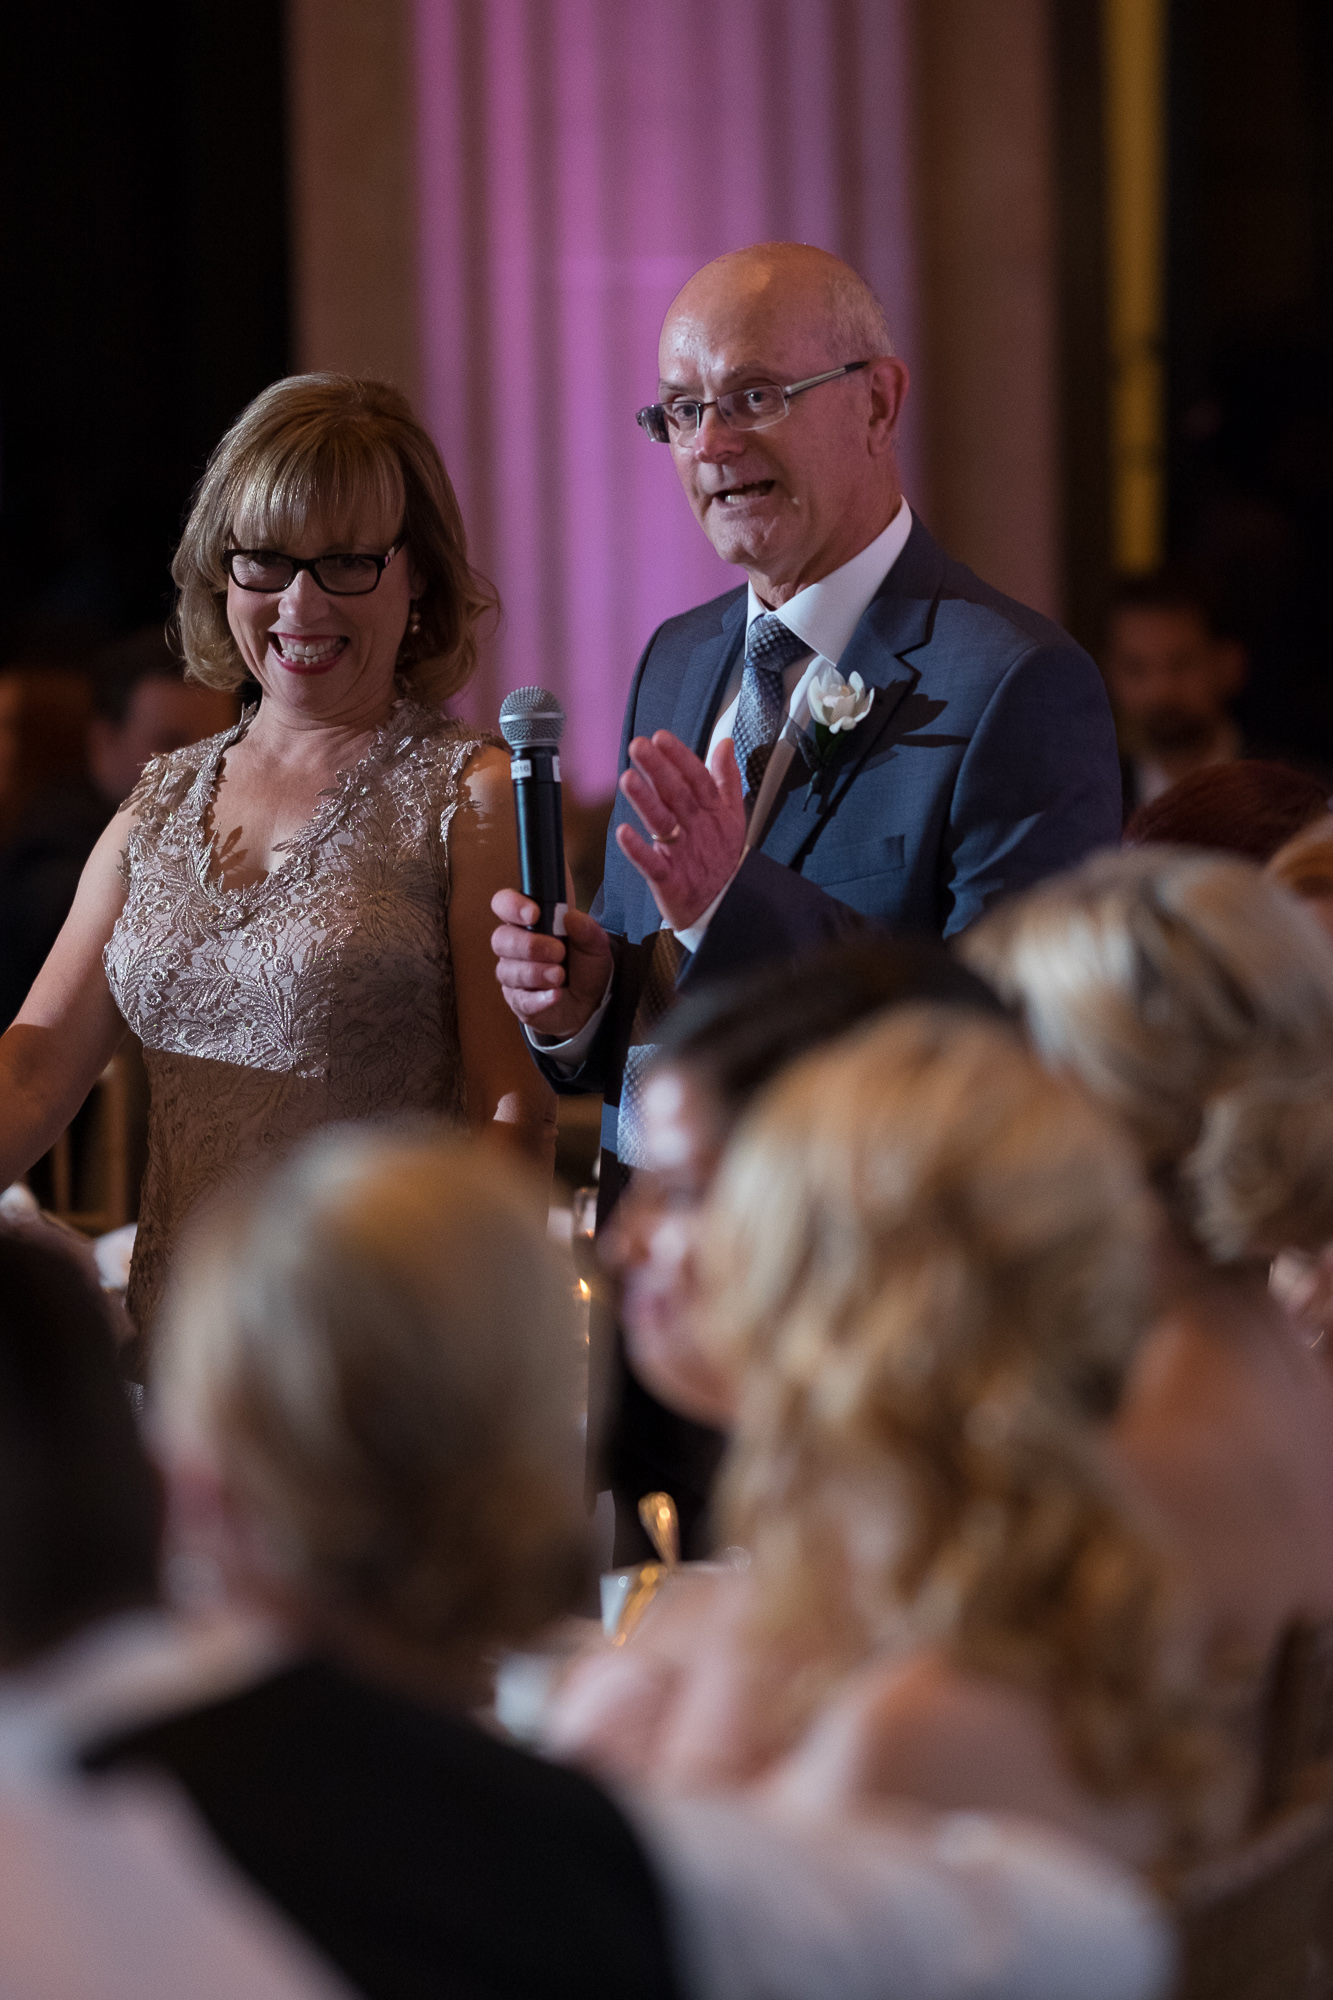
80 1508
371 1364
717 1051
330 465
930 1257
1195 1000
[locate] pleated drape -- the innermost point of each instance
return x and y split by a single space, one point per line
578 159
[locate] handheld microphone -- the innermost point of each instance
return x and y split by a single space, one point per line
532 723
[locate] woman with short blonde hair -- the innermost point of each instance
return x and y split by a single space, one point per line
1194 999
350 447
294 917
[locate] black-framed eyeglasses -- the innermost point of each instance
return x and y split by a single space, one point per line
752 409
270 572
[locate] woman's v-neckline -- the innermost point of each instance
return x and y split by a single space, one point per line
309 834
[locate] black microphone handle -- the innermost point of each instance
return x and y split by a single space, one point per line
541 834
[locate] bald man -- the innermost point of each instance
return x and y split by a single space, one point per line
864 733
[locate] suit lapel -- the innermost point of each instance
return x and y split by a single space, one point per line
896 622
705 679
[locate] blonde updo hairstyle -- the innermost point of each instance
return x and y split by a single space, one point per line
375 1351
1195 1000
929 1263
351 454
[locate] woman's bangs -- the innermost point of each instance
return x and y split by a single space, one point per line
347 485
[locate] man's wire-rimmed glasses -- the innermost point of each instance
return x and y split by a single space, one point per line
750 409
271 572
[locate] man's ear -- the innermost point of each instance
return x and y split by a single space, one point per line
888 379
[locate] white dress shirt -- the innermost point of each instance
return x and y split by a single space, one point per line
825 614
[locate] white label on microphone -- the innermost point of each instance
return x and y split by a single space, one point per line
520 767
555 769
558 920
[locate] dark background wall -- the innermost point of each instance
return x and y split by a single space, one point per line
1250 339
144 245
144 240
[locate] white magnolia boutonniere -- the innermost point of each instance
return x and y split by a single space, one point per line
837 706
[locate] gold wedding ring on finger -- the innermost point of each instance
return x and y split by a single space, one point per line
666 839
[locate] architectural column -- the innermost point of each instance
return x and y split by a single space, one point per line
352 136
989 294
1135 67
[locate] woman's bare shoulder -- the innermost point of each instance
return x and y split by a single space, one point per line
900 1710
933 1732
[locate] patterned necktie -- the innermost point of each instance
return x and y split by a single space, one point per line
770 648
659 991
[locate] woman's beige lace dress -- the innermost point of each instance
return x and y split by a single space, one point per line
323 992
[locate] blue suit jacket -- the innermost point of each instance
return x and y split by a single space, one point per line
987 761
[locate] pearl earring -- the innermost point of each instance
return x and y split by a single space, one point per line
414 623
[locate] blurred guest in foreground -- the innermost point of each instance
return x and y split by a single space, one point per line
1194 999
80 1509
294 916
1247 808
108 1894
717 1051
368 1417
929 1261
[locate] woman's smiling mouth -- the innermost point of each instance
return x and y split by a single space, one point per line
305 656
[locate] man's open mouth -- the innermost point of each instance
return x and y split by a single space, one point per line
758 489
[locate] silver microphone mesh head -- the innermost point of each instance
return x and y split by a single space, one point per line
529 716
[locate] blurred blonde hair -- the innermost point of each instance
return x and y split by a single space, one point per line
1195 1000
929 1256
1305 864
351 453
376 1348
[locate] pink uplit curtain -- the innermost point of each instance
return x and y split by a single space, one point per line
578 160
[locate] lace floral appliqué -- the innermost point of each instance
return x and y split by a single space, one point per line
323 992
